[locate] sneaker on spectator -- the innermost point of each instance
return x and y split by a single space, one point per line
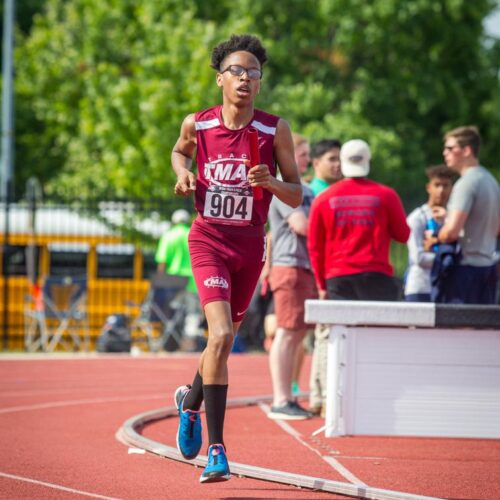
289 411
217 468
189 431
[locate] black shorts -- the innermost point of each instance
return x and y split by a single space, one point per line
363 286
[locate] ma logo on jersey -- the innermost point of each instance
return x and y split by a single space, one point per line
230 171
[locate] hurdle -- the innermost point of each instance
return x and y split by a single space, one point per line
411 369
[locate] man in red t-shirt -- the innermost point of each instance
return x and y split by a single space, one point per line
227 240
351 225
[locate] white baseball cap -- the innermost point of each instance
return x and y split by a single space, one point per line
355 158
181 216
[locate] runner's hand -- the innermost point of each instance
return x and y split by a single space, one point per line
259 175
186 183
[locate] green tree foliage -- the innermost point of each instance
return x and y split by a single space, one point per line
109 82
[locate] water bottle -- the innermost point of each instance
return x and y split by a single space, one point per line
434 226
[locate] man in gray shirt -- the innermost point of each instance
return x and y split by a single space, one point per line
292 282
473 219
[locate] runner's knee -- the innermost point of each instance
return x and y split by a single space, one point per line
220 342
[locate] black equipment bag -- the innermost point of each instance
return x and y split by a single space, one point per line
115 335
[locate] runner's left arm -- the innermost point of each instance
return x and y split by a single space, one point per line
288 190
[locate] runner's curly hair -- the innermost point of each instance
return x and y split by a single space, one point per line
248 43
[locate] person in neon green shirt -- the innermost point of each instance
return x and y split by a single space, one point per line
172 255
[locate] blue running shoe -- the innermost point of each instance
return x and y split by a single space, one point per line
189 431
217 468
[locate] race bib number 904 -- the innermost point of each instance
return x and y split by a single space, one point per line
228 207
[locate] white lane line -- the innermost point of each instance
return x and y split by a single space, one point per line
94 356
76 402
343 471
329 460
55 486
71 390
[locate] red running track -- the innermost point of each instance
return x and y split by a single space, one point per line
59 416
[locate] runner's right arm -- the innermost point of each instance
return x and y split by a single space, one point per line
182 157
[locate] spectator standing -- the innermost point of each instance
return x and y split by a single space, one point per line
326 165
473 219
172 257
172 254
302 153
325 156
292 282
351 226
421 220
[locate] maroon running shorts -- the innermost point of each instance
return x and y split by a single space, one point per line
291 287
226 262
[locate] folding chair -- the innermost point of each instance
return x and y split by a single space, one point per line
161 315
35 331
58 312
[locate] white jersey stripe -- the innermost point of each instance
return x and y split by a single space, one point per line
264 128
205 125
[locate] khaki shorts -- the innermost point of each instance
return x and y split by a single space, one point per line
291 287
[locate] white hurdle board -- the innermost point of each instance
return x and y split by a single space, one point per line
411 369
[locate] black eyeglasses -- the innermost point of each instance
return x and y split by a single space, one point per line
236 70
451 148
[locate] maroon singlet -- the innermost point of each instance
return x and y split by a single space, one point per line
227 240
223 195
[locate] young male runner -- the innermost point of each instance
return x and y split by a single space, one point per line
227 239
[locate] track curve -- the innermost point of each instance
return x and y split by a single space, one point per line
130 434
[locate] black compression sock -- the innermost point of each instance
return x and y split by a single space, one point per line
194 397
215 409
